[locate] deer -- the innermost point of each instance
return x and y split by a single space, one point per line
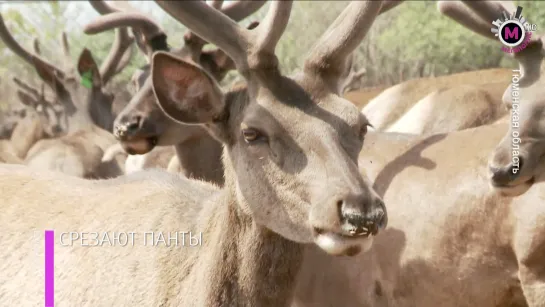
282 136
514 163
452 240
10 118
454 108
88 109
47 117
44 118
142 126
394 102
362 96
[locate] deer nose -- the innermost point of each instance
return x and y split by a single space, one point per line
504 175
128 126
360 216
56 129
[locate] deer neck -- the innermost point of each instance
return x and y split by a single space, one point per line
200 158
25 135
80 119
240 263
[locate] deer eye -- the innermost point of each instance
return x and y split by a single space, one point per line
363 130
252 135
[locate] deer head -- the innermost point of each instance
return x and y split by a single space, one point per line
291 143
142 125
520 155
50 113
80 89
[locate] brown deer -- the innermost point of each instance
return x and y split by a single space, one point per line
88 109
452 241
514 164
45 118
291 148
362 96
142 125
394 102
9 119
454 108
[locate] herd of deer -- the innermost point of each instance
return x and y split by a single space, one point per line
275 172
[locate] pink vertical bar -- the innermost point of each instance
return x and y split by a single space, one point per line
49 268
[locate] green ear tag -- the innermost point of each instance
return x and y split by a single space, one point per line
87 79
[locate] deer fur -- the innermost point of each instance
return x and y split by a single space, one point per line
44 118
9 120
525 140
159 157
451 240
362 96
392 103
8 154
455 108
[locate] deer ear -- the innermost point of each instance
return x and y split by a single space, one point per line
26 99
49 74
184 91
88 69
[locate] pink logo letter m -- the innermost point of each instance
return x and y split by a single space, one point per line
509 34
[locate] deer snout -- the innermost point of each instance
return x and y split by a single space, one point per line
359 216
503 175
56 129
128 125
348 226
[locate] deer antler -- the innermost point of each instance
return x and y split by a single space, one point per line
328 58
30 58
120 53
36 46
250 50
352 75
388 5
467 17
104 9
154 37
26 87
68 63
235 10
